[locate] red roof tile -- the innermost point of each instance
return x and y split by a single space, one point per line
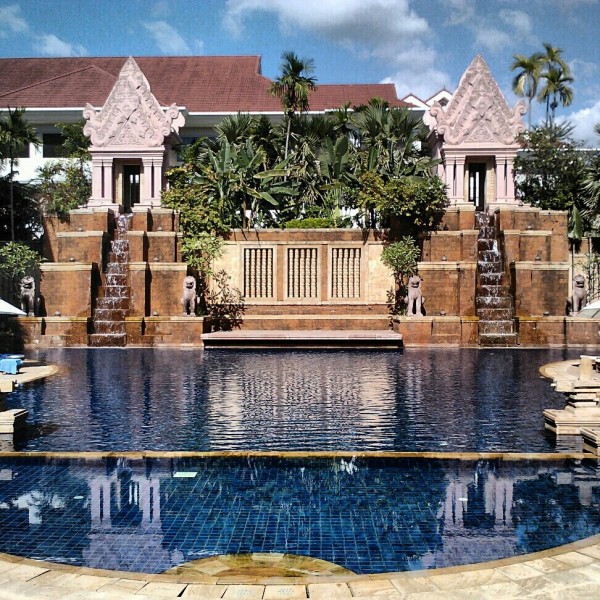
203 84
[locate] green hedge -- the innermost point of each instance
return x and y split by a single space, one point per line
310 223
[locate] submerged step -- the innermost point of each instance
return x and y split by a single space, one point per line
498 339
98 340
496 327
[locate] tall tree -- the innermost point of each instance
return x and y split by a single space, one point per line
556 77
525 81
292 87
555 90
15 134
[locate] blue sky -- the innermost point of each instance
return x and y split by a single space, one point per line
421 46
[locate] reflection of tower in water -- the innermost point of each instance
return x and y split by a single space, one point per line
126 528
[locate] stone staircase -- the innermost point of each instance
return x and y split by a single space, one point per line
494 302
112 306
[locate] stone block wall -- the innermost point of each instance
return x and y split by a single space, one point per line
540 288
67 288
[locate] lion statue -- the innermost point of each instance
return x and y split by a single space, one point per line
414 299
579 298
189 300
28 295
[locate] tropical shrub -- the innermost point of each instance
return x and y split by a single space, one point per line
401 258
310 223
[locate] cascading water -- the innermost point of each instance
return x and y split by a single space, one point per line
493 299
112 308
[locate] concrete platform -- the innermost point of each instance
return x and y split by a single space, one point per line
29 371
313 339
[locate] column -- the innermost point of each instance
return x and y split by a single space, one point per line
146 195
151 181
96 179
107 187
459 197
510 181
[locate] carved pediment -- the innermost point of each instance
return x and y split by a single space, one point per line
478 111
131 115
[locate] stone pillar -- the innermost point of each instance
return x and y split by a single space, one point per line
151 181
96 179
460 180
510 181
107 187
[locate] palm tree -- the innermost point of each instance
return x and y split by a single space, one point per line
15 134
292 87
526 80
555 90
553 58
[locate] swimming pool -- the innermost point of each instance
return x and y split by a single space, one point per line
368 515
416 400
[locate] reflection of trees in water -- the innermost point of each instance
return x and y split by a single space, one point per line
547 513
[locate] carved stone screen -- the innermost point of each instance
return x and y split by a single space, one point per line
345 272
302 273
258 272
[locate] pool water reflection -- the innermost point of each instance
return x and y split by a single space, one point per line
367 515
430 399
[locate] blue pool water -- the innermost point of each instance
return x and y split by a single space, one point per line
430 399
367 515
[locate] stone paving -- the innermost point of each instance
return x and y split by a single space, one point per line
568 572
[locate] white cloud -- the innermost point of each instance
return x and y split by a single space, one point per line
167 38
491 39
583 122
11 20
518 22
386 30
51 45
462 11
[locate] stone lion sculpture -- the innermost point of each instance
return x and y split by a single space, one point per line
579 299
28 295
414 298
189 299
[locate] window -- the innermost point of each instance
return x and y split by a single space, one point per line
53 145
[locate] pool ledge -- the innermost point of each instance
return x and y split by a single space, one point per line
569 571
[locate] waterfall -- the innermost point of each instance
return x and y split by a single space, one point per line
493 298
112 307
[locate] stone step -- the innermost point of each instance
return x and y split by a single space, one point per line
496 327
109 327
491 278
495 314
317 339
118 258
110 314
493 302
115 291
117 268
490 267
488 256
492 290
118 279
340 310
97 340
498 339
485 244
303 322
104 302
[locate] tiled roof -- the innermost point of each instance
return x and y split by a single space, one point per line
203 84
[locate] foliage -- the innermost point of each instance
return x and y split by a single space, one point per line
550 172
16 261
15 134
401 258
415 203
27 226
310 223
75 143
225 304
63 186
549 70
201 251
292 87
591 189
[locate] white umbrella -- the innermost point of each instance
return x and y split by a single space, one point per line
9 309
